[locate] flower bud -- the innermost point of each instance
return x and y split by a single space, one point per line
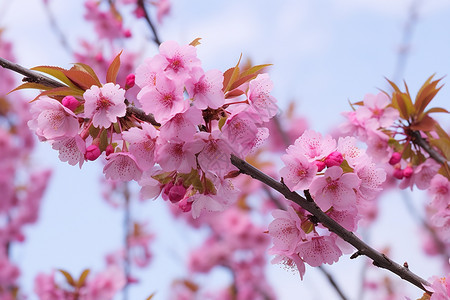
176 193
408 171
184 205
320 165
395 158
398 173
70 102
109 149
334 159
130 81
92 152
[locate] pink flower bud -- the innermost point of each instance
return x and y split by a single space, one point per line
130 81
334 159
127 33
395 158
92 152
184 205
320 165
70 102
109 149
398 173
139 12
176 193
408 171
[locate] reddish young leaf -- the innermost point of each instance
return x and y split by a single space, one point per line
69 277
233 93
31 85
254 70
88 69
62 91
231 78
435 110
113 69
426 94
56 72
425 124
195 42
82 278
81 79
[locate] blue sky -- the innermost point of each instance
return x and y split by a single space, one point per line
324 54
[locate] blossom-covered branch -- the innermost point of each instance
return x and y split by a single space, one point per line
380 260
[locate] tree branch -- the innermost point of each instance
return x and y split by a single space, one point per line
418 140
379 259
149 22
30 76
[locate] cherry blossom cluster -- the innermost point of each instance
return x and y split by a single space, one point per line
21 185
238 245
387 124
109 23
341 179
62 286
185 153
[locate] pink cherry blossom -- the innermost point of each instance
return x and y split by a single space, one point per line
259 98
440 288
122 166
45 287
440 191
52 120
372 179
104 104
352 154
291 261
178 155
379 110
164 100
178 60
147 71
421 176
142 144
205 89
298 172
335 189
242 134
150 187
215 155
71 150
183 125
312 145
286 231
105 285
319 250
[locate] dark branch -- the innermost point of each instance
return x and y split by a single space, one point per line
379 259
418 140
30 76
149 22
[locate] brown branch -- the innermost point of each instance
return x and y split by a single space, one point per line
379 259
30 76
421 142
156 39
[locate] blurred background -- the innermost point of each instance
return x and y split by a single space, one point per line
324 54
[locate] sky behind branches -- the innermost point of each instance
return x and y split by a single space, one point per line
325 53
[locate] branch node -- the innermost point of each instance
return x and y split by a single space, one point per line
356 254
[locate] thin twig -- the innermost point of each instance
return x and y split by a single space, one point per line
56 29
149 22
333 282
379 259
126 225
418 140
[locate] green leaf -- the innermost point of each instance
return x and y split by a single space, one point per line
113 69
254 70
